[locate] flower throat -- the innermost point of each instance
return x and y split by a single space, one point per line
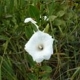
40 47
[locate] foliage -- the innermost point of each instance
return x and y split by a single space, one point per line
63 25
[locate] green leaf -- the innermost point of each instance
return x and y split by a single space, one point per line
46 28
3 37
75 74
30 60
46 78
60 13
7 70
32 76
34 13
1 10
59 22
28 31
47 69
52 17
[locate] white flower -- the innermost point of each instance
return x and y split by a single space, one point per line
32 21
40 46
29 20
46 18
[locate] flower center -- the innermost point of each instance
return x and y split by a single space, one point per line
40 47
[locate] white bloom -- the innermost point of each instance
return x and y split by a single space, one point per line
40 46
29 20
46 18
32 21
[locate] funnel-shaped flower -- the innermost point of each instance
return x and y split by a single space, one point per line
40 46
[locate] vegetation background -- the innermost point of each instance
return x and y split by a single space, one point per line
63 25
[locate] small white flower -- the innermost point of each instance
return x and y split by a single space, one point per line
40 46
29 20
32 21
46 18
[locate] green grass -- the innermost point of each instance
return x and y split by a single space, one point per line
63 25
